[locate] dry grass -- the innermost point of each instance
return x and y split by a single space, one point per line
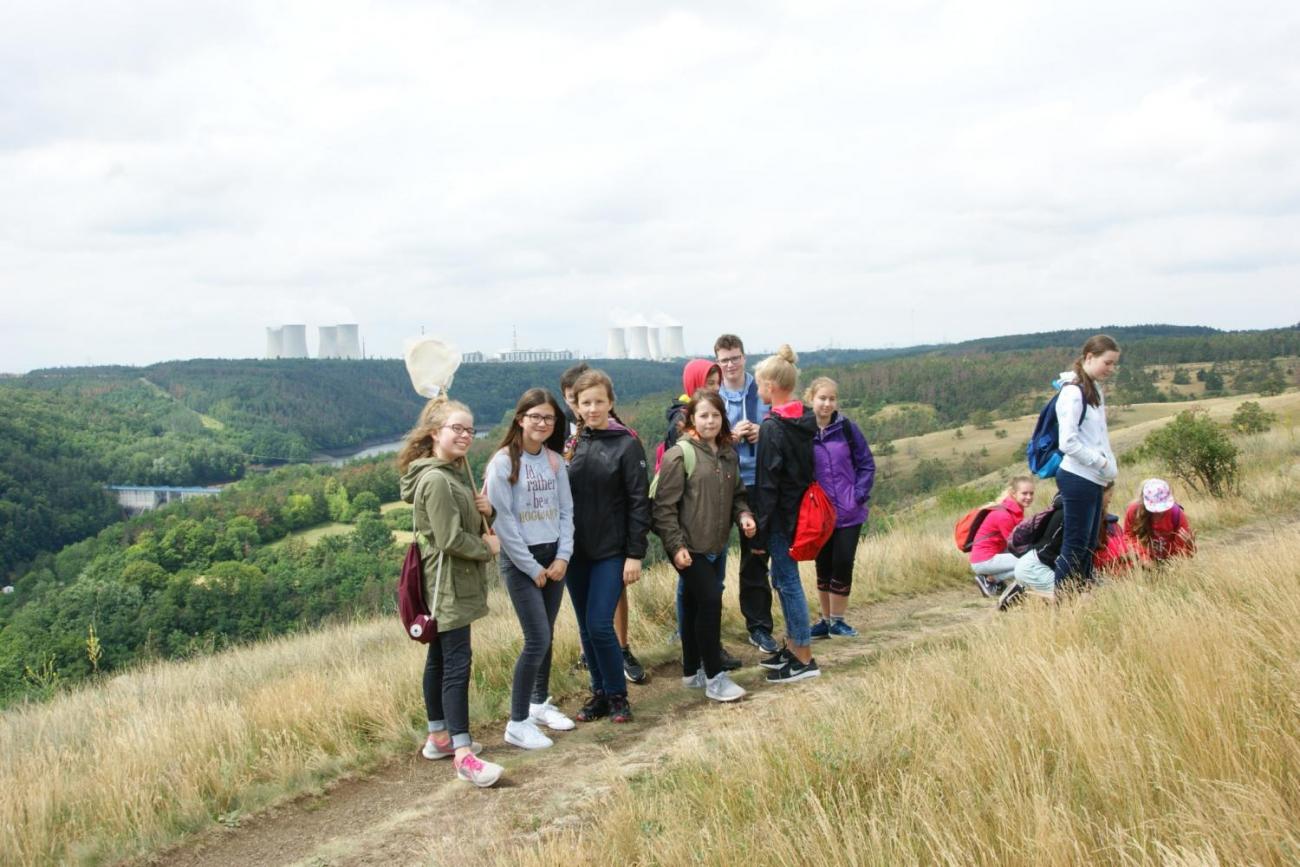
1178 704
1157 722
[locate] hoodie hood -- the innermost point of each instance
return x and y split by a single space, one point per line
615 429
797 419
411 478
1067 377
793 409
694 375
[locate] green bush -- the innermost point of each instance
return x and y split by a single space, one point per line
1197 450
1251 418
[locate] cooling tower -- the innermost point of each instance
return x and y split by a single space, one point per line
274 342
328 345
638 343
349 341
616 345
293 341
672 343
652 340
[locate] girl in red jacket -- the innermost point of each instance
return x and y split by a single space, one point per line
989 557
1156 527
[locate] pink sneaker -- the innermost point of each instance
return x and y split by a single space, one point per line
474 770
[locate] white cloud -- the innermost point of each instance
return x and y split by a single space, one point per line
176 178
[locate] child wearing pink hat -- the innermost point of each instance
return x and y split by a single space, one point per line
1156 527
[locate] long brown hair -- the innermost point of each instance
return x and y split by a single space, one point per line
1096 345
513 441
712 398
419 439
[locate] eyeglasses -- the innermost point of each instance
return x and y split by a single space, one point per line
460 430
734 359
538 418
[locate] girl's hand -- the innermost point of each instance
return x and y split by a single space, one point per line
682 559
631 571
493 543
542 577
747 525
557 569
483 505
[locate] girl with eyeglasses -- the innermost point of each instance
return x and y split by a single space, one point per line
528 486
452 528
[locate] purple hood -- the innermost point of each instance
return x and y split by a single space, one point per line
845 468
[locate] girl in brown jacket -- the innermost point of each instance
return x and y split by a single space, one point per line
696 500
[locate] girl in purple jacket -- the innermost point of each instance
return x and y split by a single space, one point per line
845 468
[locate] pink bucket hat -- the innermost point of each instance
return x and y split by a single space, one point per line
1156 496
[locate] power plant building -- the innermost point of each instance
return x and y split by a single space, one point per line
327 345
517 355
616 344
293 341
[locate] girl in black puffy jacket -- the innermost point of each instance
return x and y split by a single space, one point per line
611 518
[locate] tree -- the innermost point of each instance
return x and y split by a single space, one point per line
1251 418
371 534
1197 450
336 500
365 503
1181 377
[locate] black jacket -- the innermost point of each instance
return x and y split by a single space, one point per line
1048 547
611 494
784 470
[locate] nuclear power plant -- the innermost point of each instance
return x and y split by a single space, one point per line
658 343
333 341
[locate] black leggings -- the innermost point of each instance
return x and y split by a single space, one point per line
835 561
701 614
446 683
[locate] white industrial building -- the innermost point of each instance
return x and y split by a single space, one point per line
332 341
135 499
535 355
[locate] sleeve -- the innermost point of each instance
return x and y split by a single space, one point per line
502 496
565 550
1069 407
448 533
766 472
739 500
637 487
668 499
864 465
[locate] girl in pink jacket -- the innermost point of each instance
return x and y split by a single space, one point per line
989 557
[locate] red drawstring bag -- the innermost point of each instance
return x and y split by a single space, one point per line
815 525
417 617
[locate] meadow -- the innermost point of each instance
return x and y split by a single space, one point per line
1151 722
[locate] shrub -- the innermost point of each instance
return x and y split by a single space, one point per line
1197 450
1251 418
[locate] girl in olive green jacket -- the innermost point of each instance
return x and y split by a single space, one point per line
451 523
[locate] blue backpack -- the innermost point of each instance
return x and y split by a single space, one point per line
1044 449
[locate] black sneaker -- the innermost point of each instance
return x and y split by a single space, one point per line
776 660
1011 597
729 662
985 586
632 668
595 708
619 710
794 670
763 640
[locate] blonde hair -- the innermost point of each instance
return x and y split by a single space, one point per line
419 440
817 385
1015 482
780 369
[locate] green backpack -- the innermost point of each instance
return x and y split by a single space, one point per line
688 464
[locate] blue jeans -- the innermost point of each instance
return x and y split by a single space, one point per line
595 586
1081 500
720 564
789 589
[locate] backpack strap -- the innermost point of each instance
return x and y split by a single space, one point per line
688 455
421 540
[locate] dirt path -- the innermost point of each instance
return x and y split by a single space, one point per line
407 810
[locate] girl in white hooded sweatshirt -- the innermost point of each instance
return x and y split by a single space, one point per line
1089 464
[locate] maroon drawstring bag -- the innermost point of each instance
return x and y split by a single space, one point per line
412 608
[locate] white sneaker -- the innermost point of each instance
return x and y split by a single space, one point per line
527 736
723 688
547 714
474 770
696 680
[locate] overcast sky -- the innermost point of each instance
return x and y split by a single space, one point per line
175 176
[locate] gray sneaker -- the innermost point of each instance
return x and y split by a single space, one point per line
723 688
696 680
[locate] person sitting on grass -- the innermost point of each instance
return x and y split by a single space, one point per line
990 560
1156 527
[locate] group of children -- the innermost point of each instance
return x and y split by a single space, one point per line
1062 547
573 506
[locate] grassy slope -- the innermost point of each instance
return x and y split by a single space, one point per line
131 763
